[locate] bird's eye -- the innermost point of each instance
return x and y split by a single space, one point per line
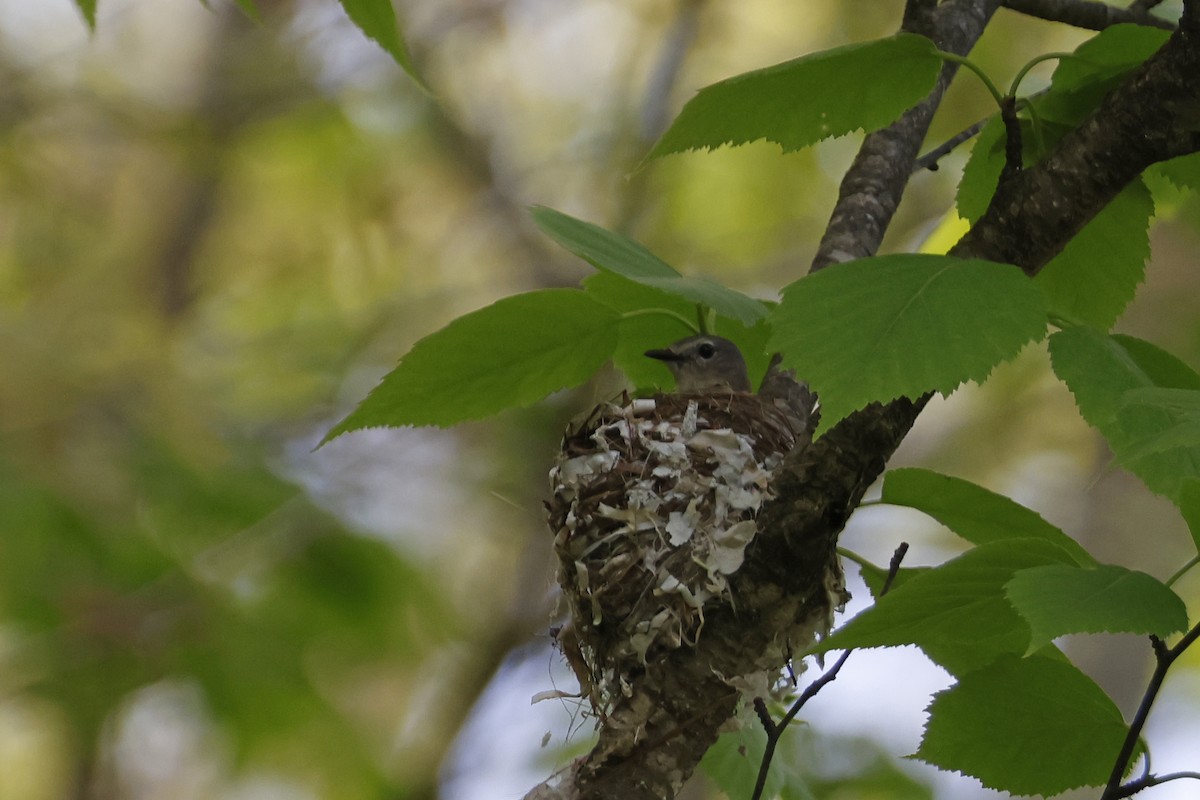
706 350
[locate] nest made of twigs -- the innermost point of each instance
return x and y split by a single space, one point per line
654 502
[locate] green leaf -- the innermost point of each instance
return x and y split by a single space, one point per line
639 333
1058 599
642 331
88 9
511 353
957 612
901 325
1185 402
875 576
1159 366
973 512
601 248
1180 406
1112 53
1096 274
800 102
1183 171
1026 726
619 254
733 760
1079 83
723 300
880 778
377 19
1099 369
1097 66
981 174
1189 507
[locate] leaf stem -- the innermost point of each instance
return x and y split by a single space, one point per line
666 312
1183 570
850 555
1036 122
973 67
1164 658
1146 781
1033 63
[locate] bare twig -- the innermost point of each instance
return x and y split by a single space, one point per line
1164 658
1133 787
930 160
775 729
1088 14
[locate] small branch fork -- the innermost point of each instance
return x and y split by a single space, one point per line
775 729
1164 657
930 160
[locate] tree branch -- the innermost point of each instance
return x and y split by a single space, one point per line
1144 121
1088 14
872 187
655 737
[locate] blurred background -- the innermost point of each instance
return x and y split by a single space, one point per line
216 235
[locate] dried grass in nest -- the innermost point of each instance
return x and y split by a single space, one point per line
654 502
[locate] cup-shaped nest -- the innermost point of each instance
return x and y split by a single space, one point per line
653 504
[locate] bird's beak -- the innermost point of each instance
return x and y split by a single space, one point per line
664 355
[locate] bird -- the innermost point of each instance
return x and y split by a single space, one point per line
705 363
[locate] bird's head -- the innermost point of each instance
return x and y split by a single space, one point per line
705 363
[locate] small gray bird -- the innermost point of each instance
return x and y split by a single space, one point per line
708 363
705 363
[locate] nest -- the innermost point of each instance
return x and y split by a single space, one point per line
654 502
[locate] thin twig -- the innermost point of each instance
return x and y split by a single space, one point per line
1164 658
1133 787
930 160
775 729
